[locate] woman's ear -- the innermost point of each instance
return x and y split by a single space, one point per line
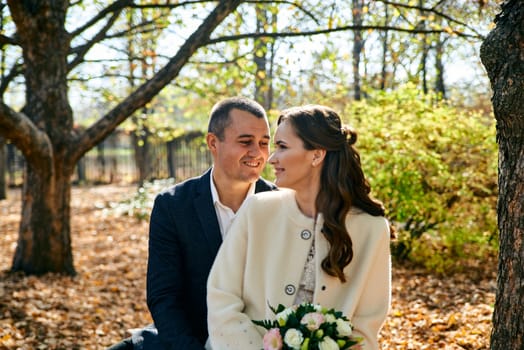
318 156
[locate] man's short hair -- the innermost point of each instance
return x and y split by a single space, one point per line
219 117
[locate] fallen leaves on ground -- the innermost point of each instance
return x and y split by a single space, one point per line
95 309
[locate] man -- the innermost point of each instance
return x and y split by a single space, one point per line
189 220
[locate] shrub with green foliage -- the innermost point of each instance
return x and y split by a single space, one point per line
140 205
435 169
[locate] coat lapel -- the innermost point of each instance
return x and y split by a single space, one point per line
203 203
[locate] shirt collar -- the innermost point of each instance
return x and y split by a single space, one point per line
214 192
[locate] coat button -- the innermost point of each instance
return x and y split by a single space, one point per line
290 289
306 234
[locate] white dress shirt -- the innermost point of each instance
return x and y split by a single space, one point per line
225 214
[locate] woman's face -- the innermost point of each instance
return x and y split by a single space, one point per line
293 164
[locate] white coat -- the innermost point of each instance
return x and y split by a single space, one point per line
261 262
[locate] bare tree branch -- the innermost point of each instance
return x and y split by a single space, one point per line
104 126
292 3
120 5
169 5
4 40
340 29
31 141
436 12
82 50
16 70
115 7
136 29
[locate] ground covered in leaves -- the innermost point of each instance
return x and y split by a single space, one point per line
94 309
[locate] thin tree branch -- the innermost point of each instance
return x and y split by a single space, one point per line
16 70
4 40
115 7
292 3
433 10
82 50
339 29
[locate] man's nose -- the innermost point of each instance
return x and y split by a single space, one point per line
256 150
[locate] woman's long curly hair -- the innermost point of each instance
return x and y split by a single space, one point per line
342 181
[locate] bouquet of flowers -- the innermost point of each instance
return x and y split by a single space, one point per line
308 327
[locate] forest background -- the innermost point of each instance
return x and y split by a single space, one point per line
406 75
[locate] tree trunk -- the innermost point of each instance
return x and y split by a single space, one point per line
260 58
44 243
502 54
358 45
11 165
424 51
141 144
440 87
3 169
385 49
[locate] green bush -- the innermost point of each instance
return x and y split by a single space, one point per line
140 205
435 169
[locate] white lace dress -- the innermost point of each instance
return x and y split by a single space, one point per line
306 287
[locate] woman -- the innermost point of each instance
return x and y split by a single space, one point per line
323 239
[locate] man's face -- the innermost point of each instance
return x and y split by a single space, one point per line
244 150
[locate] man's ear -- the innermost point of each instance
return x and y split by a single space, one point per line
318 156
211 140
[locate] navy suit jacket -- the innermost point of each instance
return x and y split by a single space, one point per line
184 238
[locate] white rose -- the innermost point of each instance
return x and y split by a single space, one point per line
344 328
328 344
293 338
330 318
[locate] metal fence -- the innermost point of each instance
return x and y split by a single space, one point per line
113 161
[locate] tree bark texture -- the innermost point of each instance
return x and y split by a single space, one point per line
502 54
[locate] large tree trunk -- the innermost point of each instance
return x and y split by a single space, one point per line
44 243
502 54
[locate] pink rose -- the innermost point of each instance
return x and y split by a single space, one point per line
272 339
312 320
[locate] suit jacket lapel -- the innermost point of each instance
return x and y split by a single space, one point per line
206 213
